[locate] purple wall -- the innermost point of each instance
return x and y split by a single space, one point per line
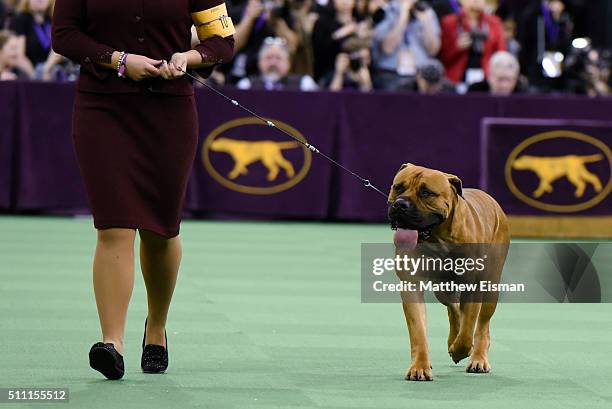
372 134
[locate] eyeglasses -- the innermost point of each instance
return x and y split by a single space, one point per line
278 41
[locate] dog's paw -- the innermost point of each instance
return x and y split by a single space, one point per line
419 372
478 364
459 350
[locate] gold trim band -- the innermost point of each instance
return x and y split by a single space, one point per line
213 22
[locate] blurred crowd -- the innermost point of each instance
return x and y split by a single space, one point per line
500 47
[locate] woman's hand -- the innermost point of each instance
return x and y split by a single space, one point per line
175 68
139 67
343 62
253 10
345 31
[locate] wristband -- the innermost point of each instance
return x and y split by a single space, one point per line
121 64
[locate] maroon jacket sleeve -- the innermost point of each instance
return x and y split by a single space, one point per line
214 50
70 39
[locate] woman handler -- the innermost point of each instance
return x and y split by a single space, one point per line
135 136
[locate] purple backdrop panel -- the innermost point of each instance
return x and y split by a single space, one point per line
49 176
380 132
548 167
247 169
8 113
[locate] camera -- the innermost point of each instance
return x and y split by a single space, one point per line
479 38
421 5
356 62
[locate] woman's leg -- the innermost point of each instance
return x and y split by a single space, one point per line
113 279
159 260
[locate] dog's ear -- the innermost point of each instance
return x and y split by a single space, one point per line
404 166
455 183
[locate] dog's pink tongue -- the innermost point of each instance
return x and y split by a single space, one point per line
406 239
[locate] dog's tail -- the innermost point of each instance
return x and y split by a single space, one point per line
592 158
287 145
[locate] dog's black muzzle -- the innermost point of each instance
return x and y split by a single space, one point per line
404 215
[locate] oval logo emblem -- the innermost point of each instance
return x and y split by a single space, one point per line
560 171
247 156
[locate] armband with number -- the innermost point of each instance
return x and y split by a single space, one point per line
213 22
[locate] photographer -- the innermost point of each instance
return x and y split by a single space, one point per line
408 37
260 20
337 30
546 29
351 72
469 39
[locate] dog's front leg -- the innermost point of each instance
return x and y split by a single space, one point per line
416 316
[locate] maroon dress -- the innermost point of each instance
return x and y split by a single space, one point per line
135 141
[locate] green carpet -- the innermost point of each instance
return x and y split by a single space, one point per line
268 315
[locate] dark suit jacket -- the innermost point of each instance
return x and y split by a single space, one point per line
88 31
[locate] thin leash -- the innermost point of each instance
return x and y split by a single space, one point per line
364 181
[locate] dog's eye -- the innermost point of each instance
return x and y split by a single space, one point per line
399 189
426 193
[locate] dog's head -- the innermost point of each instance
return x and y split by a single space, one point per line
221 145
421 199
522 163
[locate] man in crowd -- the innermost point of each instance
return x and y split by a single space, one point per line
430 79
504 76
274 64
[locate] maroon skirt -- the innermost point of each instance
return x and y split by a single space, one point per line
135 152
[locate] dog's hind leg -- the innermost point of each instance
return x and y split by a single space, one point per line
592 179
286 165
463 344
454 321
578 183
451 301
479 361
272 167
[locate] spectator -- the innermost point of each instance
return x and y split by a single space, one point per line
587 72
546 36
2 14
303 18
9 57
259 21
351 72
504 76
7 11
371 9
597 73
59 68
274 66
469 39
337 30
408 37
32 24
445 7
430 79
514 47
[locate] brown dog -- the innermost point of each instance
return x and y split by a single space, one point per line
429 206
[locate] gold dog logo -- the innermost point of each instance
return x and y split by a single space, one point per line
552 170
270 153
256 155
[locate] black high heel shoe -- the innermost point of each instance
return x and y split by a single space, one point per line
154 357
105 359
